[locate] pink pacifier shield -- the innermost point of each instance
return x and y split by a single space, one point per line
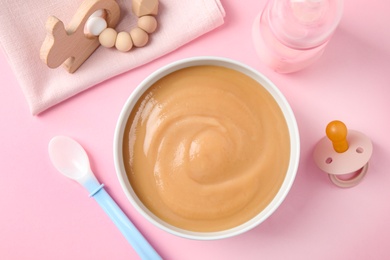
352 160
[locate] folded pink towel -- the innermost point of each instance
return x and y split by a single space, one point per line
22 32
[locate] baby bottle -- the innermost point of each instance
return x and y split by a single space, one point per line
291 34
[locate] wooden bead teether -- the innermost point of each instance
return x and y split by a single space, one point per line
91 26
70 46
145 10
343 152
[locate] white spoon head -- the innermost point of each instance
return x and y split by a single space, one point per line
69 157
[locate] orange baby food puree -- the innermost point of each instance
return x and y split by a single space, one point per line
206 148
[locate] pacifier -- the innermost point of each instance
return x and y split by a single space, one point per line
342 153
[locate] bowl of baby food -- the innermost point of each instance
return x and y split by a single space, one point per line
206 148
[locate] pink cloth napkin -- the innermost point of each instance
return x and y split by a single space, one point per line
22 31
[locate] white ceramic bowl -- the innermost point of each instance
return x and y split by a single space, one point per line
272 89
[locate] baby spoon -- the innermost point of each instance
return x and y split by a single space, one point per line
69 158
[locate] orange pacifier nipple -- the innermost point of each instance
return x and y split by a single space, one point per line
337 132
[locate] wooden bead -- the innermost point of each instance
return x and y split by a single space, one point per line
145 7
139 36
123 42
147 23
108 37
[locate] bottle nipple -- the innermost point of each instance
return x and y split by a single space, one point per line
336 131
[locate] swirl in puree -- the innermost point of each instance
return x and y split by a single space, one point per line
206 148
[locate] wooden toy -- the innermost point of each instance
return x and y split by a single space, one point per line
70 46
343 152
93 25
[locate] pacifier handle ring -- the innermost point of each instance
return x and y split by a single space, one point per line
349 182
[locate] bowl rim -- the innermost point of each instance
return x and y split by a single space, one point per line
228 63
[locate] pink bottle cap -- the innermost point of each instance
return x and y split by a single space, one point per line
304 24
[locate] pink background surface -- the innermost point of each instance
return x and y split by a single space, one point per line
45 216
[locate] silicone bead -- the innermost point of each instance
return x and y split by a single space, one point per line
123 42
108 37
139 36
147 23
95 25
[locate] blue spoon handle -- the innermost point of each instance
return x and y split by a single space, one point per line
131 233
